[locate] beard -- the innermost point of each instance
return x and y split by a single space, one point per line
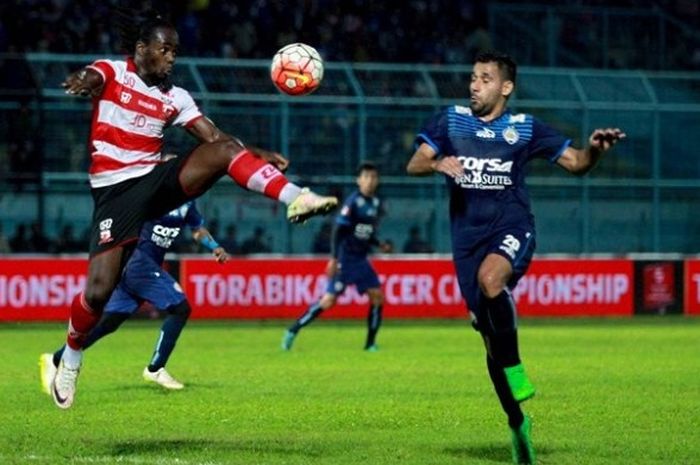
478 108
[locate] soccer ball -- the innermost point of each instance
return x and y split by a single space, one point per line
297 69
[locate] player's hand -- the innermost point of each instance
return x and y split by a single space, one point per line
604 139
450 166
81 83
220 255
273 158
332 267
386 247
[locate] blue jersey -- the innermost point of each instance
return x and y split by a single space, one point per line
358 222
143 278
491 194
158 236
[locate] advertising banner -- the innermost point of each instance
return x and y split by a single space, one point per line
413 288
42 289
692 287
39 288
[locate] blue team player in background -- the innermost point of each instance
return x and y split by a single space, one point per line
144 279
482 150
353 236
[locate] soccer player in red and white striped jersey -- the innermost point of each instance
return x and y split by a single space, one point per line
132 181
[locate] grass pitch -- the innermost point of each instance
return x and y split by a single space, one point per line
609 392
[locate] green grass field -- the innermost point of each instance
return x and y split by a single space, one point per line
609 392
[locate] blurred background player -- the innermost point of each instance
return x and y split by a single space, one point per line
134 101
144 279
353 235
483 149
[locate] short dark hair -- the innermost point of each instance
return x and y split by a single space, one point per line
366 166
506 63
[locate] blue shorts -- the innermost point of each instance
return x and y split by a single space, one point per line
357 272
144 280
515 244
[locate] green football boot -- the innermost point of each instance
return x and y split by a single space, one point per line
520 386
523 450
288 340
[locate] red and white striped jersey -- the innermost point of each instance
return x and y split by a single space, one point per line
128 121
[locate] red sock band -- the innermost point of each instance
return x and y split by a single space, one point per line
255 174
82 320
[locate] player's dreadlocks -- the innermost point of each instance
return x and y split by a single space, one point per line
137 27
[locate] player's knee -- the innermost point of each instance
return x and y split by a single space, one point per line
490 283
182 310
96 296
376 297
327 301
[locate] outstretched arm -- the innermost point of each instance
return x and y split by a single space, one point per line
424 162
581 161
84 82
205 130
204 237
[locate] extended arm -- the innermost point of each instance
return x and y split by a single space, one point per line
84 82
204 237
424 162
206 131
581 161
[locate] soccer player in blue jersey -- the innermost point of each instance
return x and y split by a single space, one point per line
482 150
353 236
144 280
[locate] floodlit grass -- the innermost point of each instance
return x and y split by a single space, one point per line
609 392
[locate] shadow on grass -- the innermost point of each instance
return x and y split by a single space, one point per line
496 453
162 447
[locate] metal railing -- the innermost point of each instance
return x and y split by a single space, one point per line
639 199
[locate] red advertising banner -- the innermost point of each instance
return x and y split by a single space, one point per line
692 287
284 288
576 288
39 288
413 288
42 289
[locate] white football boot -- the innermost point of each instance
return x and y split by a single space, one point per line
64 385
309 204
163 378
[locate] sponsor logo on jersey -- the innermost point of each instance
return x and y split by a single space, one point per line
105 231
485 173
163 236
486 133
511 135
462 110
363 231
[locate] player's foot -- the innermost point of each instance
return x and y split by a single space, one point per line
520 385
372 348
309 204
523 450
47 370
162 378
288 340
64 385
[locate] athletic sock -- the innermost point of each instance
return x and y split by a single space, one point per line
82 320
510 406
501 327
311 314
374 321
169 334
107 325
72 357
255 174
